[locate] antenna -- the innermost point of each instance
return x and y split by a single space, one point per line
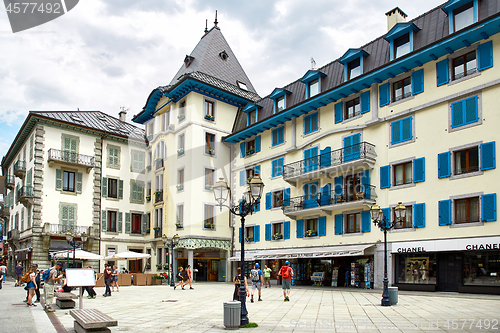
313 63
215 22
206 26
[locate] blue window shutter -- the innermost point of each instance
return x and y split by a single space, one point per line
339 224
387 215
417 81
396 132
268 232
444 165
286 196
300 228
442 73
281 163
322 226
365 102
274 137
485 55
419 215
338 182
457 114
256 233
269 197
256 208
242 149
286 231
315 122
366 224
406 129
325 159
444 212
489 207
385 176
325 194
281 134
488 160
470 110
239 233
274 168
257 143
242 177
365 183
419 170
338 112
384 94
256 170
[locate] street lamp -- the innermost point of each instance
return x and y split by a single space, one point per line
71 240
383 222
173 242
246 206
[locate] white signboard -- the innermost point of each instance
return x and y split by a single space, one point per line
460 244
80 277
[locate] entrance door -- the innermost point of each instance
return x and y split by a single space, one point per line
135 266
222 271
352 184
352 147
449 271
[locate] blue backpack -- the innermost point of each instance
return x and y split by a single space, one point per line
46 275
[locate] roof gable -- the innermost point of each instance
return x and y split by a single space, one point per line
400 29
311 74
352 54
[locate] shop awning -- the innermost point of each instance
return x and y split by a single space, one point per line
248 257
203 243
314 252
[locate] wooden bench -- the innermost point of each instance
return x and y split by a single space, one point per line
92 320
65 300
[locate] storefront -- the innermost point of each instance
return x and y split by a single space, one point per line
470 265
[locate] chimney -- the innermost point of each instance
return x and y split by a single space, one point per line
123 114
394 17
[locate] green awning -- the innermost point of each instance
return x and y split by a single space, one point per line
202 243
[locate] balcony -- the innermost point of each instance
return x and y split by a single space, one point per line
20 169
13 235
339 199
330 164
5 212
25 195
158 232
70 158
10 182
158 196
159 164
62 229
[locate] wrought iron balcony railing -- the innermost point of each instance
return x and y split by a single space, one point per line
10 181
20 169
70 157
24 193
158 196
62 229
159 163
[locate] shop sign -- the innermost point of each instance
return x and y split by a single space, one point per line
477 247
418 249
461 244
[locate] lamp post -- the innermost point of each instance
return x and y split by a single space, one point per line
71 240
246 206
385 224
173 242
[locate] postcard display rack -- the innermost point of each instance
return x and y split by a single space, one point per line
299 271
335 276
368 275
355 275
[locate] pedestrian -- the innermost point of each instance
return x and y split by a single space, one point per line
267 276
286 273
189 277
347 278
19 275
90 289
48 286
31 285
38 283
2 274
115 278
237 285
179 278
257 281
107 280
3 268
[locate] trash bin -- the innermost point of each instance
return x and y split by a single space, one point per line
232 314
393 295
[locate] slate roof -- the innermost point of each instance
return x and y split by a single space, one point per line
434 27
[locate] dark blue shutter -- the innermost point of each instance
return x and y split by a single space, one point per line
322 226
385 176
256 170
384 94
339 224
444 165
314 122
274 168
268 232
417 81
485 55
257 143
488 160
419 170
470 110
269 197
239 233
242 177
281 162
406 129
396 132
365 102
387 216
338 182
365 183
366 224
242 149
443 76
286 196
286 232
325 195
256 233
457 114
281 134
256 208
489 207
419 215
325 159
444 212
338 113
300 228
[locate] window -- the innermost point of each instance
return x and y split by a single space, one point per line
403 173
180 179
311 227
249 233
277 231
180 216
112 223
151 128
249 174
466 160
352 108
242 85
158 218
311 123
354 69
209 110
278 135
464 112
277 167
67 218
401 130
402 46
252 117
353 222
165 121
70 149
210 143
31 148
209 178
150 159
148 191
111 188
401 89
209 220
182 111
136 224
463 16
280 104
407 222
313 88
277 199
180 141
467 210
138 161
250 147
464 65
68 181
113 157
136 191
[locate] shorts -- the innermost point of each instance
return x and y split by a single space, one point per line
256 285
267 279
286 284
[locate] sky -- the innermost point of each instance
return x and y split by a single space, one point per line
103 55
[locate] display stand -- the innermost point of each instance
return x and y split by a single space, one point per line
80 277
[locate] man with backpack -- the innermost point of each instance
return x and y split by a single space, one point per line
286 273
19 275
257 281
49 277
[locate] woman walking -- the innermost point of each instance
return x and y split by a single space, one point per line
31 285
114 283
237 285
189 277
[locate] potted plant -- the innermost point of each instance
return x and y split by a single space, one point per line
158 267
209 117
249 152
178 225
157 228
209 225
165 267
148 266
180 116
211 151
248 239
311 233
179 186
180 151
209 187
148 198
148 231
277 236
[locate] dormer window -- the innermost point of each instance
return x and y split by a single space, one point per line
402 46
242 86
313 88
353 63
312 80
280 104
401 38
279 96
252 113
463 16
354 69
188 60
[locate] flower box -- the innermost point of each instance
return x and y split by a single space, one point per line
181 116
148 198
209 226
277 236
148 231
157 228
178 225
211 151
180 151
148 266
158 267
248 239
209 117
165 267
209 187
180 186
249 152
311 233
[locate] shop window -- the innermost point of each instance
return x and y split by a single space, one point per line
464 65
136 223
407 222
467 210
402 46
277 231
466 161
354 69
352 108
416 269
401 89
403 173
353 223
112 222
482 268
311 226
463 16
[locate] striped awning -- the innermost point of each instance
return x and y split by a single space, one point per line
203 243
314 252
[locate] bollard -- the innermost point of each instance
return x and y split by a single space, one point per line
393 295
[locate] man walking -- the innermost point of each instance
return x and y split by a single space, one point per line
107 280
257 281
3 268
19 275
179 278
48 287
1 278
286 273
267 276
